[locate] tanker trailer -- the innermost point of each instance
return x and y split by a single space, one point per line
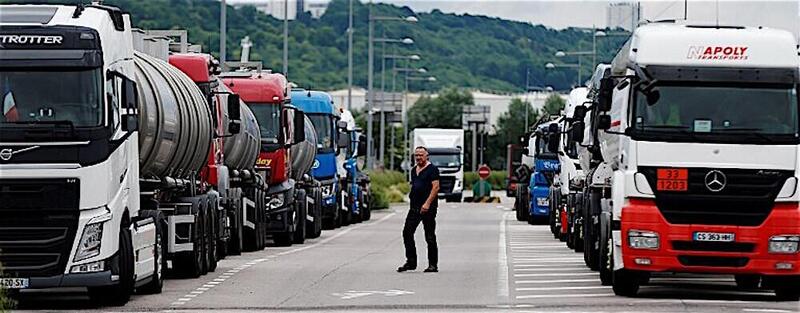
303 156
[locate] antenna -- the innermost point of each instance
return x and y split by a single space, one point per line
717 2
685 10
246 44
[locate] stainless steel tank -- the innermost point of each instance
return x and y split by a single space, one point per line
241 150
303 154
175 124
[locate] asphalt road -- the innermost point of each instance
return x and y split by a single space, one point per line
489 262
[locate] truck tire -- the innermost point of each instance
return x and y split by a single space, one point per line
591 243
345 216
234 212
606 258
580 230
365 207
211 235
219 228
119 294
191 264
301 212
626 283
251 236
748 281
156 285
259 218
314 229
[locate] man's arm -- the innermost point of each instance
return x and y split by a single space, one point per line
431 197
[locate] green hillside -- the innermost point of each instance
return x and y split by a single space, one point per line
460 50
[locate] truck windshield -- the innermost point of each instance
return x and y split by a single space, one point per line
69 96
268 116
725 113
324 126
445 160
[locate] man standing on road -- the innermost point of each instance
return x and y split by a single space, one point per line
424 189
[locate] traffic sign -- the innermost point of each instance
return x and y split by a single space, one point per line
484 171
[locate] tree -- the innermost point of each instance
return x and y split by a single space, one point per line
554 104
443 111
510 126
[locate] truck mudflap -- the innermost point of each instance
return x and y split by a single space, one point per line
694 248
143 233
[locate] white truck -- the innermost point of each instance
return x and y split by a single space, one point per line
699 140
446 151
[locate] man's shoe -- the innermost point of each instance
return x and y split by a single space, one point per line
406 267
432 269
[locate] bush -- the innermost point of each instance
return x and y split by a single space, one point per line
497 179
387 187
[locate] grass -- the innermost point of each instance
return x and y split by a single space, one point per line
387 187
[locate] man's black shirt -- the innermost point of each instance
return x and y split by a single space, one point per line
422 185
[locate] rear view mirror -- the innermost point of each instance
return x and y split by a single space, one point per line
130 122
299 127
604 122
342 125
343 142
362 145
553 128
576 134
580 113
130 117
652 97
605 93
526 151
553 141
234 111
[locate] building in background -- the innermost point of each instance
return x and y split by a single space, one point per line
275 8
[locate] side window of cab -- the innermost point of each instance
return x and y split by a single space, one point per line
113 86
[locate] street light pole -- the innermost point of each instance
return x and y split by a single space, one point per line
223 30
349 59
370 95
286 38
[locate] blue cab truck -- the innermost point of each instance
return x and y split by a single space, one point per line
545 165
355 181
319 108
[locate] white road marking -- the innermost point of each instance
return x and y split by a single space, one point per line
337 235
561 288
197 292
502 262
555 274
185 299
556 281
352 294
766 310
549 269
208 286
566 296
178 303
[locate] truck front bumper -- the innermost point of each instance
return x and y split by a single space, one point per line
98 279
677 250
280 218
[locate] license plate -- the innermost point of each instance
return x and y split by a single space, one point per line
719 237
14 283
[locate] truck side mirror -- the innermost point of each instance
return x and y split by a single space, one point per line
576 134
580 113
234 111
552 142
526 151
362 146
605 93
130 105
342 125
343 142
299 127
604 122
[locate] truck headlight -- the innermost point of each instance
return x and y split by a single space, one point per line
542 201
787 244
89 246
642 239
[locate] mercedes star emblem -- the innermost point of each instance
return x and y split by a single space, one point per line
716 181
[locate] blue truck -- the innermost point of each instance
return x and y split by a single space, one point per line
320 109
545 165
355 181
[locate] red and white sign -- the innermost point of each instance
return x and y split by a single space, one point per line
734 53
484 171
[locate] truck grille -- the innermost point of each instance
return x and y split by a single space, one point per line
713 261
446 184
713 246
38 222
746 200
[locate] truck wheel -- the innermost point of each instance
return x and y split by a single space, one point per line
748 281
626 283
235 215
591 243
159 251
118 295
367 209
518 210
211 236
317 230
283 239
250 236
219 228
788 293
606 258
301 212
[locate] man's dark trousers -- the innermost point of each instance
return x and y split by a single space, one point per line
428 220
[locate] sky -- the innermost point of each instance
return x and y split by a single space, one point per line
783 14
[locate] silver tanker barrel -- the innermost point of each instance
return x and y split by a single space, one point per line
241 150
304 153
174 120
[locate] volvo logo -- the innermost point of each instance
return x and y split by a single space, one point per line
7 153
716 181
316 164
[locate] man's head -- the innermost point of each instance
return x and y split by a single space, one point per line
421 155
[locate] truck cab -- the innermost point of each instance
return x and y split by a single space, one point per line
355 181
281 127
446 152
545 164
320 109
703 167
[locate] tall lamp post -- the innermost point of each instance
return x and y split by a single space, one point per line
429 79
551 66
349 58
382 149
371 68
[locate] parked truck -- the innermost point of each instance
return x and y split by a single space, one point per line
445 151
320 109
284 159
513 161
545 165
355 182
120 166
699 138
